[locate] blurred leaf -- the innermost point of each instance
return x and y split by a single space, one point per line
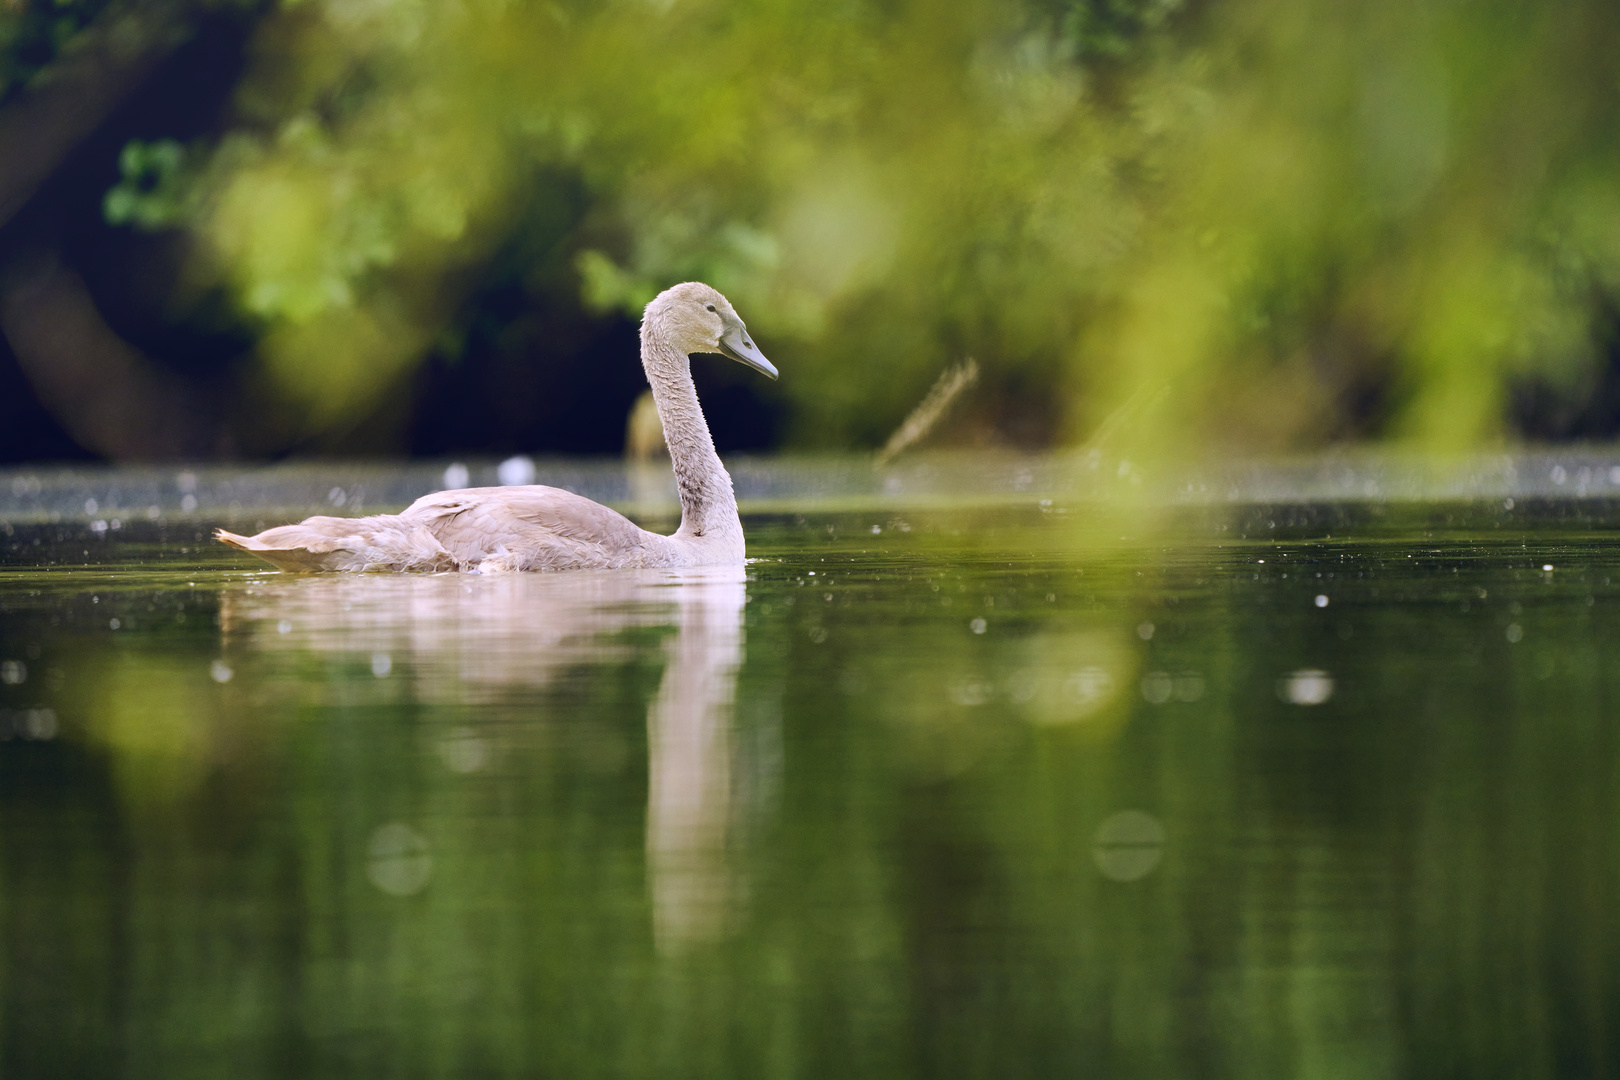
1302 220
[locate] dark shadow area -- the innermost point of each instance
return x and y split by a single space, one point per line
1588 408
131 277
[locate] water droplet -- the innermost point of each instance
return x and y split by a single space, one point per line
463 752
381 664
1189 686
38 724
978 626
1022 686
1308 686
1321 601
1128 846
1157 687
1515 633
457 475
1089 686
1144 631
972 693
220 671
398 861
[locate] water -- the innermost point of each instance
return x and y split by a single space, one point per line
1270 789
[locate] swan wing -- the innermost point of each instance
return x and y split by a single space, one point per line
533 527
383 542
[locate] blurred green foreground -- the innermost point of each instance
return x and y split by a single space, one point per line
1249 224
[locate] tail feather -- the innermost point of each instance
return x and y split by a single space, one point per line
328 543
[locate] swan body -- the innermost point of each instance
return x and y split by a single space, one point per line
533 527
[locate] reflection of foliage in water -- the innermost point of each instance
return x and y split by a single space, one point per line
938 877
1304 219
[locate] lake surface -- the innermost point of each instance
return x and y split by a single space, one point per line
1262 789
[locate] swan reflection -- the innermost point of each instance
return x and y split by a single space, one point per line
467 639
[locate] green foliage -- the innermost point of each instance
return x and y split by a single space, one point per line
152 192
34 32
1258 213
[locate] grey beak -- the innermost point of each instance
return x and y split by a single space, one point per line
736 344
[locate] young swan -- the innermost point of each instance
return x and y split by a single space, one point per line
546 528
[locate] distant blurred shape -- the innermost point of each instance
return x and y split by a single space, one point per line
643 431
108 396
456 475
1128 846
398 860
653 495
515 471
950 385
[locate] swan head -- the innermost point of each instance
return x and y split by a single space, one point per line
697 319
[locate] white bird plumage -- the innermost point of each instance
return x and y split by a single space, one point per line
533 527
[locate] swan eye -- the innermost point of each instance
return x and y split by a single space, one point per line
710 307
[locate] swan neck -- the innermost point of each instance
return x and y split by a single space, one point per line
708 504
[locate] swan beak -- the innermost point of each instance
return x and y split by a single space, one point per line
736 344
